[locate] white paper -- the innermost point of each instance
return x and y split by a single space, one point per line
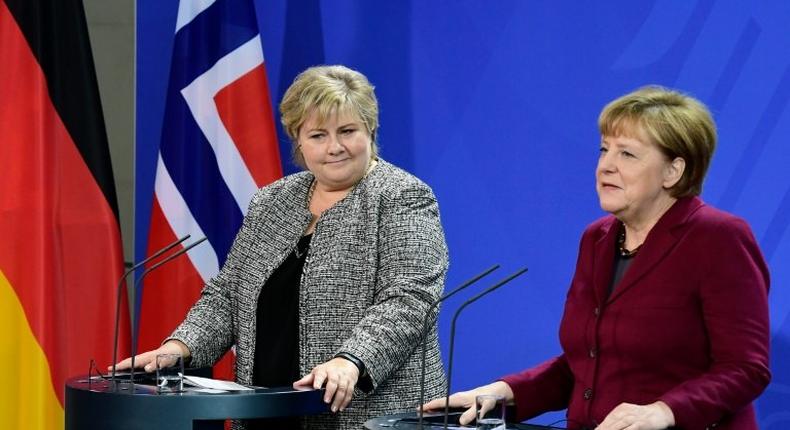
205 390
214 384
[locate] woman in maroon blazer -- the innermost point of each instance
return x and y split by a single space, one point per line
666 319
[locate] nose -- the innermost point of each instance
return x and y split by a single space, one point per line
606 163
334 146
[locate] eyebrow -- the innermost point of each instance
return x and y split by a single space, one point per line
322 128
623 145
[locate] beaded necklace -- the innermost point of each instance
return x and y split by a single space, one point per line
624 253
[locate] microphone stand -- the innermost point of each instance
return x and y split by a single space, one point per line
121 282
425 329
452 336
136 330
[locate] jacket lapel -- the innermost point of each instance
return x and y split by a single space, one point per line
603 263
659 242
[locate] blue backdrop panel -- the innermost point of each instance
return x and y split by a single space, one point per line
495 106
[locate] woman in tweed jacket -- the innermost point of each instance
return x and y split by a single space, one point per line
375 262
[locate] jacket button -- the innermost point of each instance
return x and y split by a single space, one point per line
593 352
588 394
597 311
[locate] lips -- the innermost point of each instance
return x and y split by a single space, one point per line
336 161
608 186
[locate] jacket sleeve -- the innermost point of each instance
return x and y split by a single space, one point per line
546 387
734 290
412 265
209 326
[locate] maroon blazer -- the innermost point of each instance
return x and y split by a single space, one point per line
687 324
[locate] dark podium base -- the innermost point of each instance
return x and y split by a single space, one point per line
100 404
408 421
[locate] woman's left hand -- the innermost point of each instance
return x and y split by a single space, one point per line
655 416
340 376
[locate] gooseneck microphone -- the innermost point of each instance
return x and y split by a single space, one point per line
425 328
121 283
452 335
136 329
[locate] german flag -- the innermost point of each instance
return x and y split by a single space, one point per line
60 250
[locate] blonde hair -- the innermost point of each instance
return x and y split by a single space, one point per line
324 90
678 124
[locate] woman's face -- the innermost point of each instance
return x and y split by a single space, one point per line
338 151
633 177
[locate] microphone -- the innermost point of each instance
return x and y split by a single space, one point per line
136 330
121 282
452 335
425 328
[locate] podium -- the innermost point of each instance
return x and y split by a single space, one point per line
93 403
408 421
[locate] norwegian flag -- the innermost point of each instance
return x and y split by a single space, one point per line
218 146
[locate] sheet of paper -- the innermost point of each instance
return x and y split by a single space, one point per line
205 390
214 384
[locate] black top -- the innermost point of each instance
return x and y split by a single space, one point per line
621 265
277 335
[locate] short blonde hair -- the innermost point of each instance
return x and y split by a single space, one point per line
680 125
324 90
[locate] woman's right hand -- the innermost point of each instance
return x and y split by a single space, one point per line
466 399
147 360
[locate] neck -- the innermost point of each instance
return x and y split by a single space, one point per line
323 196
323 199
636 230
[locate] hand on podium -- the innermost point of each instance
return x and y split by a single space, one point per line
466 399
147 360
340 377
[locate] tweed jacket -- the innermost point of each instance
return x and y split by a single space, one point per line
687 325
376 261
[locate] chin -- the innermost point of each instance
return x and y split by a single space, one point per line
610 206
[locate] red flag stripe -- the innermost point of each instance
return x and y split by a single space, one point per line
246 112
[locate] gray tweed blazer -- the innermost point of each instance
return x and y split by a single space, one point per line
376 261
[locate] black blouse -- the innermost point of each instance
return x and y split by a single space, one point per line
277 335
